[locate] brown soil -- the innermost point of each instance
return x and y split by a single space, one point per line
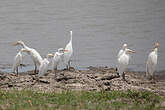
97 79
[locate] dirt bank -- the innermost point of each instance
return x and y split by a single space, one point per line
98 79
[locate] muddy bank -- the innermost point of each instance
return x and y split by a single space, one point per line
98 79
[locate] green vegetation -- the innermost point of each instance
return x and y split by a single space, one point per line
73 100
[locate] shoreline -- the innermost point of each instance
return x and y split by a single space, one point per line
93 79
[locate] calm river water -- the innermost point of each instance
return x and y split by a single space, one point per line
99 28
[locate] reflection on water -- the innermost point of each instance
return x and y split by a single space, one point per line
99 28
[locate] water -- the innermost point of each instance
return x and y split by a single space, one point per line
99 28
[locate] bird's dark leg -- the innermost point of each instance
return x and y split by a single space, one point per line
69 63
17 71
117 71
67 66
123 76
153 77
55 71
21 65
35 71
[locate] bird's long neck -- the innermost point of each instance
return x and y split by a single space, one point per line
20 51
156 50
71 36
24 46
125 49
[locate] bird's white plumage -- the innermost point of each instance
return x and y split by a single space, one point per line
17 60
57 58
151 64
123 61
122 50
68 54
44 65
36 57
152 61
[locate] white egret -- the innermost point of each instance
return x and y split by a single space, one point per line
68 54
33 53
45 63
123 61
121 51
57 58
18 60
152 61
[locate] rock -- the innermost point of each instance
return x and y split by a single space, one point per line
3 77
44 81
65 77
110 77
10 85
107 83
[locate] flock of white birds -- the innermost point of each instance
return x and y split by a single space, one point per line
124 57
43 64
65 55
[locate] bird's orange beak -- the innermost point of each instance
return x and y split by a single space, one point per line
15 44
27 51
51 55
131 51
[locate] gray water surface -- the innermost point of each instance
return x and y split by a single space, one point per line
99 28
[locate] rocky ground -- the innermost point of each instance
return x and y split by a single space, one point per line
98 79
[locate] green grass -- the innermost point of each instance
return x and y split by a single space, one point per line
73 100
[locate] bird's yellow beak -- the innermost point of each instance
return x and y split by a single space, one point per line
131 51
15 44
27 51
51 55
